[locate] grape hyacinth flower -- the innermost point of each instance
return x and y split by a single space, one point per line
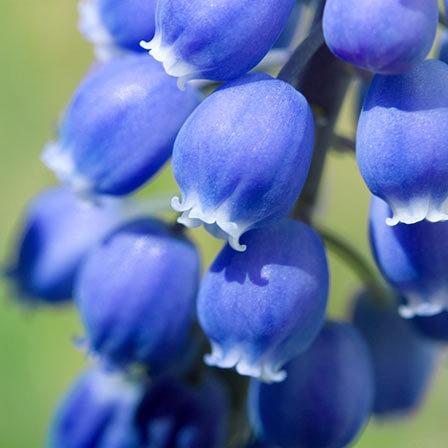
403 362
326 399
242 157
384 36
434 328
215 40
262 307
401 142
413 258
173 414
136 294
116 27
119 128
99 411
57 234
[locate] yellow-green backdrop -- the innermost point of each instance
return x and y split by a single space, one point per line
42 58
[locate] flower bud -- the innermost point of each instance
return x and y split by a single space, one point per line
262 307
384 36
242 157
432 327
326 399
136 294
119 128
215 40
413 258
401 142
116 26
403 362
173 414
57 233
99 411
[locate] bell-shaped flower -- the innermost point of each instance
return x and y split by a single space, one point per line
58 231
384 36
136 294
99 411
116 27
403 362
119 127
434 328
262 307
401 142
173 414
215 40
326 399
413 258
242 157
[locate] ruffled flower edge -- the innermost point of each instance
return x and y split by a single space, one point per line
61 163
417 210
424 305
216 222
262 370
92 28
173 64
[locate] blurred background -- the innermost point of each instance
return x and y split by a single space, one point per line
42 60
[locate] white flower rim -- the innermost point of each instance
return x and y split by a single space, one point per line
417 210
262 370
93 29
216 222
418 305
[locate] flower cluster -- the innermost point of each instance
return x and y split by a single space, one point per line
247 151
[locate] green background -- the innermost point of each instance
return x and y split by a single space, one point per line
42 59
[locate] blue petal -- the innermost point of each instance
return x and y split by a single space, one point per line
242 157
368 34
403 362
58 232
120 127
413 258
401 142
98 411
262 307
325 400
136 294
218 41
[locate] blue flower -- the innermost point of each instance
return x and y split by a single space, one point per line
57 233
401 142
432 327
443 48
262 307
120 127
136 294
403 362
242 157
325 400
384 36
215 40
413 258
99 411
116 26
173 414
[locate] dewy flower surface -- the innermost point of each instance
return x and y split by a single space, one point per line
262 307
403 362
242 157
136 294
402 142
218 40
384 36
413 258
116 27
119 127
326 399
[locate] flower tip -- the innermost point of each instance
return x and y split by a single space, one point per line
146 45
